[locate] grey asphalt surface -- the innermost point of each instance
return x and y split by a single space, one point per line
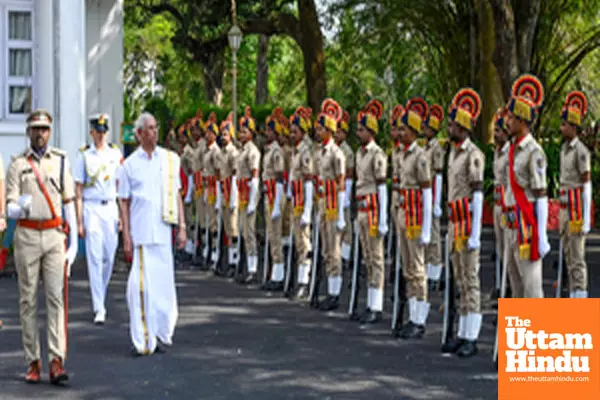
237 342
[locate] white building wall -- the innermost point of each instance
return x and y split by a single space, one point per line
104 36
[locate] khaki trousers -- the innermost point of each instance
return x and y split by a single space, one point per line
41 252
200 211
188 212
574 248
433 251
346 235
286 213
499 231
465 264
248 223
230 222
413 266
274 229
525 276
302 242
331 246
372 248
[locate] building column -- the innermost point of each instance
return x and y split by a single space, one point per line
71 75
44 56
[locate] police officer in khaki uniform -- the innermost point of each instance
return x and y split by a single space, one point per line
39 185
189 135
284 142
330 172
227 175
272 178
248 169
212 186
500 182
372 199
526 199
415 217
466 165
340 139
302 191
397 154
198 165
575 193
435 154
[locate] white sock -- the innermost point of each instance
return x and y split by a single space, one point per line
377 300
252 264
304 273
277 273
346 251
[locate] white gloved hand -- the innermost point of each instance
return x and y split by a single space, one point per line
188 195
288 192
382 195
348 192
542 221
233 196
426 227
71 218
14 211
587 212
219 195
474 242
308 201
253 196
437 201
277 203
25 202
341 222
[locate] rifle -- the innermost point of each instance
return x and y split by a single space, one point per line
355 287
315 276
217 243
449 297
400 298
502 295
559 278
266 253
196 238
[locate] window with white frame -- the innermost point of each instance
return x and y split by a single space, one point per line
16 37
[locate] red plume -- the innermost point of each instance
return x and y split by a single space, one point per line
346 117
374 107
397 112
212 117
199 114
437 111
469 100
529 87
332 108
419 106
577 99
248 112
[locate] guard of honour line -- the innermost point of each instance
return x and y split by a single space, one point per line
326 210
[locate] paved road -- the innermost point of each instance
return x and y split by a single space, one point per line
236 342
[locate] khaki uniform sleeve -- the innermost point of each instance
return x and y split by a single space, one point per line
306 164
68 193
537 170
380 165
233 156
423 169
13 188
278 162
254 160
438 159
339 163
583 160
476 166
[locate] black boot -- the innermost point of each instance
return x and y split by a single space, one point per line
453 345
356 316
299 293
330 303
467 349
371 317
412 331
273 286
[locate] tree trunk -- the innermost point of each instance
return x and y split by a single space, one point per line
213 69
491 87
262 70
526 18
311 43
505 51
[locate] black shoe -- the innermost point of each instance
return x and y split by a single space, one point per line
452 346
299 293
412 331
272 286
356 316
330 303
230 271
250 279
371 317
467 349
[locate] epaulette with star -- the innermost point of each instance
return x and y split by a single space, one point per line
84 148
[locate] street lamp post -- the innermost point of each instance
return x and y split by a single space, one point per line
235 39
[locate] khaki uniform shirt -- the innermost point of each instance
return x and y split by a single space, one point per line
187 159
199 151
371 167
302 169
501 173
248 160
530 169
397 155
574 162
21 180
465 168
211 160
349 158
435 155
414 167
273 162
228 161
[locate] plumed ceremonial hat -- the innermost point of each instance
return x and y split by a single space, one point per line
575 108
526 98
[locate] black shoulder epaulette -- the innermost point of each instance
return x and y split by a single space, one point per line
114 146
84 148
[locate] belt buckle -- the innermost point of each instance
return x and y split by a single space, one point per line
104 202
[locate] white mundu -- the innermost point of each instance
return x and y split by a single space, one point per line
149 183
96 171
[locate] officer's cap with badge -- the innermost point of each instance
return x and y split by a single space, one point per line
397 112
435 117
277 122
227 128
465 108
527 98
39 118
301 118
575 108
99 123
500 119
415 112
330 115
247 121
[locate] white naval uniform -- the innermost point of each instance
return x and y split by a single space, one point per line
151 292
97 171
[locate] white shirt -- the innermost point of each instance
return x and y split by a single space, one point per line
140 180
98 168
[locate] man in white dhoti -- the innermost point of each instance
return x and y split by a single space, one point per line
150 205
97 211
